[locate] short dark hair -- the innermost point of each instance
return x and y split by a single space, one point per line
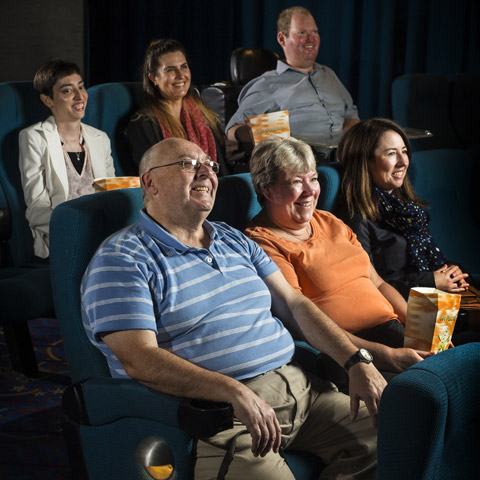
285 18
49 73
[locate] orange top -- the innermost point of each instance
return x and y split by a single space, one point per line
332 269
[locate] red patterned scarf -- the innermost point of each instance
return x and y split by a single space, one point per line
197 128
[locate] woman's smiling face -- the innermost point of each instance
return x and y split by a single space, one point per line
389 166
292 198
173 76
69 99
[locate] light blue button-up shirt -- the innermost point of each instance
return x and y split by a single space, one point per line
317 101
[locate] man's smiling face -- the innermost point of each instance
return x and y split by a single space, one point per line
302 42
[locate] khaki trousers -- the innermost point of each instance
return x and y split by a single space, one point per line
314 417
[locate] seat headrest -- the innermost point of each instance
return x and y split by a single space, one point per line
249 63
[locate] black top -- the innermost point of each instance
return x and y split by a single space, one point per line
388 253
144 132
78 160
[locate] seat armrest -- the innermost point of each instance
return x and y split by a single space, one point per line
85 403
201 418
306 356
223 100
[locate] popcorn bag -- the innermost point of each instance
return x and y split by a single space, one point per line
269 125
431 318
114 183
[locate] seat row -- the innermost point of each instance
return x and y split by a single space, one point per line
443 177
101 408
428 420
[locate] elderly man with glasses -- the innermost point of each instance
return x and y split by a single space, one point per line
195 309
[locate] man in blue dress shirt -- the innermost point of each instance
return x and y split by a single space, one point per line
320 106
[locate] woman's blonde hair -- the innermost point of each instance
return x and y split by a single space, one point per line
356 152
155 106
276 155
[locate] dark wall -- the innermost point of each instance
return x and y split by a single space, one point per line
32 32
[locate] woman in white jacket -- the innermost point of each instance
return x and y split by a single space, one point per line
60 157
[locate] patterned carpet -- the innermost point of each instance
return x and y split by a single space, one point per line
31 442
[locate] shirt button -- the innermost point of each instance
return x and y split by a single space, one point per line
208 259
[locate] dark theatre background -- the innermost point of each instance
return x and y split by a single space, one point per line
368 43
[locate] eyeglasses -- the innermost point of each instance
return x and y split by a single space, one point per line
192 165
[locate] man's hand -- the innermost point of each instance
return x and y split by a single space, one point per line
399 359
241 133
260 420
367 384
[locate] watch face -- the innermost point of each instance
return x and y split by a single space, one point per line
366 354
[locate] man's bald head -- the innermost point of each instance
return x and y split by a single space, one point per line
160 153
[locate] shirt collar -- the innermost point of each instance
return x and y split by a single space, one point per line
282 66
169 242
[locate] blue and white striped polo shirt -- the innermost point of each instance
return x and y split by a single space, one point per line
210 307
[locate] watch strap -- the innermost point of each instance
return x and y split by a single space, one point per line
355 358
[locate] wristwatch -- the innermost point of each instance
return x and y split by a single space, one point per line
362 355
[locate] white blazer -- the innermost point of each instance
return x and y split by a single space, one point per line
44 174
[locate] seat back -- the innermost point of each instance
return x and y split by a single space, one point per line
77 228
444 179
465 103
245 64
5 228
222 99
329 176
249 63
236 202
20 107
428 418
422 101
110 106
